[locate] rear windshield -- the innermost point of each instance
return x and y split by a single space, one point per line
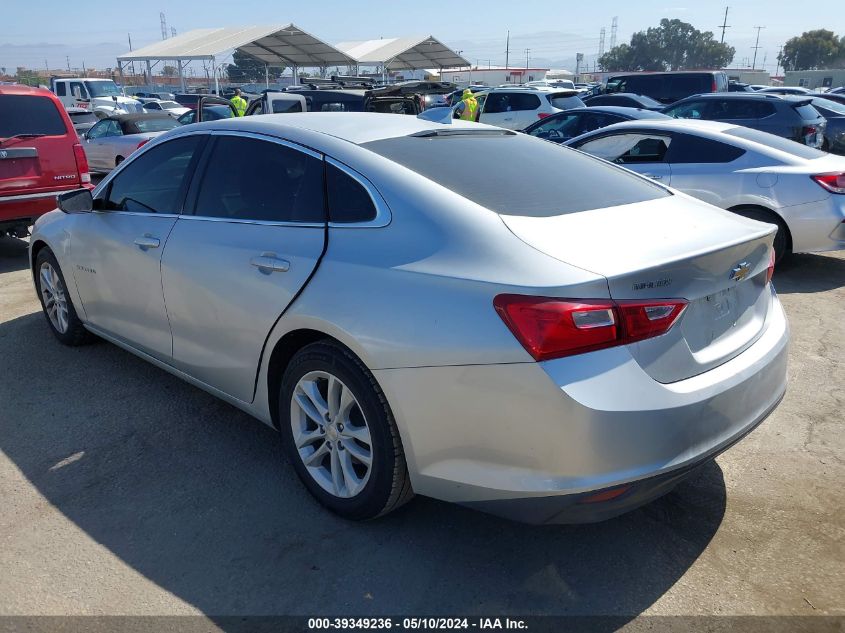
26 114
833 106
83 117
155 125
807 112
516 174
776 142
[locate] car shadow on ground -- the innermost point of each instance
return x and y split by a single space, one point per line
13 255
197 497
808 273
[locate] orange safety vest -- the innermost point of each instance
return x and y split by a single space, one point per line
470 107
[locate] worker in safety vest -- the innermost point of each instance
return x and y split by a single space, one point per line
239 102
468 107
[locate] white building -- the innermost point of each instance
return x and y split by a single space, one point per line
473 75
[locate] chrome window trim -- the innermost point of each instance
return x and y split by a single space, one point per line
383 215
151 214
206 218
33 196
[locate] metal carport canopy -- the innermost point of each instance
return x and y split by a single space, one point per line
401 53
273 44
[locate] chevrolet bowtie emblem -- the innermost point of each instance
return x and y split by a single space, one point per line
740 271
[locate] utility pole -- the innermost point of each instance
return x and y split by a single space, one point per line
67 57
777 64
725 25
756 46
527 56
46 67
507 49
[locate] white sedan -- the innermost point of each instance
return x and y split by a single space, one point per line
752 173
167 107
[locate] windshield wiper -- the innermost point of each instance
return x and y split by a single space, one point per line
19 136
462 132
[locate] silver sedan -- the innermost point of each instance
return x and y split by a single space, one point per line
534 332
113 139
752 173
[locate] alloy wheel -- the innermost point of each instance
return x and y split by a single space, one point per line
54 296
331 434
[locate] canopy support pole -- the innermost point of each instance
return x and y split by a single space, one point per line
149 77
181 75
216 82
266 75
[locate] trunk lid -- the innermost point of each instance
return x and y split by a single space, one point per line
671 248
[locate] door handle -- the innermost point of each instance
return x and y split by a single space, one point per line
270 264
147 242
654 176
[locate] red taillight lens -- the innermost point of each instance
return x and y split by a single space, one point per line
834 183
770 271
552 328
714 87
543 115
81 163
142 143
645 320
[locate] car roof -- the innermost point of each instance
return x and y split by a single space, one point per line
129 118
20 89
755 96
353 127
665 72
623 110
629 95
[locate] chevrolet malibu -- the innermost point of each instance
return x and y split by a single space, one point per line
535 333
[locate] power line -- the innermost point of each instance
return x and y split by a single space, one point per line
725 25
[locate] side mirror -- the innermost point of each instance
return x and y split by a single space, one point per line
77 201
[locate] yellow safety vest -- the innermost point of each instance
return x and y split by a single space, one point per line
470 107
240 105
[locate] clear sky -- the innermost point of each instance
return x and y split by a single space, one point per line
95 32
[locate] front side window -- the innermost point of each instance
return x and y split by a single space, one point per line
559 127
626 149
155 181
61 89
281 106
262 181
77 90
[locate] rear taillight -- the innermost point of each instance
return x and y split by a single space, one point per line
834 183
81 163
770 271
543 115
552 328
142 143
810 135
714 87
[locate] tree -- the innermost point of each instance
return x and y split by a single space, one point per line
674 45
248 69
169 71
813 49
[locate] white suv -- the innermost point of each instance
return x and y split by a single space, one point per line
517 108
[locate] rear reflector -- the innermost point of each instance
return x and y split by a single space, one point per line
770 271
549 328
142 143
543 115
81 163
606 495
834 183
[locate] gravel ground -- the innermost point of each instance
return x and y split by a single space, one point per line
127 491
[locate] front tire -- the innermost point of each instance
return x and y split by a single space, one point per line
58 308
340 435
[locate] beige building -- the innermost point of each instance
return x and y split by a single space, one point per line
492 76
815 78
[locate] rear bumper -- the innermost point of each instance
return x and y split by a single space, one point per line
531 440
817 226
22 208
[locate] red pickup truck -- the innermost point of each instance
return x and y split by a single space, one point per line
40 156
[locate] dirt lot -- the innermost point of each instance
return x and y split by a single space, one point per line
126 491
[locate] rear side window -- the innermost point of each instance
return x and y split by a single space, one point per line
510 102
564 101
154 182
287 106
348 201
776 142
266 182
28 114
732 109
516 174
694 149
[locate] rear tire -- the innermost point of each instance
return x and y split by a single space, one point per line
340 435
58 308
782 241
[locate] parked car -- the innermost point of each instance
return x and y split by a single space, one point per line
82 119
784 90
40 156
837 91
568 124
115 138
752 173
668 87
738 86
501 344
625 100
834 114
791 118
171 108
830 96
188 100
277 103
